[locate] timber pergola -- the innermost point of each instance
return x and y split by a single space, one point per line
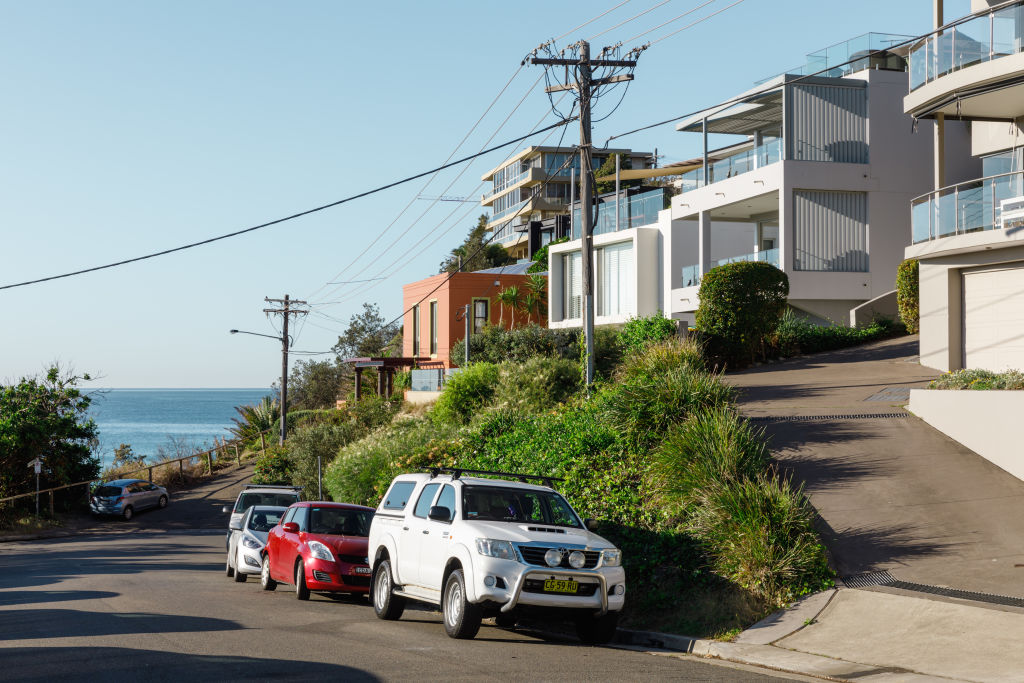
385 368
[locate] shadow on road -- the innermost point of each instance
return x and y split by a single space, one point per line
122 664
27 597
28 624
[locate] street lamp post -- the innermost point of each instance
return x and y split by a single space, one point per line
284 373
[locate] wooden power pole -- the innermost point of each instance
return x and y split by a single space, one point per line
286 310
584 84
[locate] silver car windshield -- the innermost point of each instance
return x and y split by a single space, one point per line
493 503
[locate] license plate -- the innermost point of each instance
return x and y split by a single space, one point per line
362 570
560 586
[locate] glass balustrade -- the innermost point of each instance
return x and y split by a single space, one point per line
734 165
992 35
691 274
972 206
634 212
850 56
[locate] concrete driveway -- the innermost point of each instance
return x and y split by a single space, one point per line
894 493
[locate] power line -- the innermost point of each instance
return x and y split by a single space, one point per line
701 20
676 18
277 221
590 21
632 18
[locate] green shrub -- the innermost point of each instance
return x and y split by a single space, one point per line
466 393
309 442
403 380
979 380
638 332
657 359
540 259
273 467
760 534
740 304
796 335
372 411
499 345
536 385
908 295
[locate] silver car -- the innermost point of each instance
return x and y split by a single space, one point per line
248 538
125 497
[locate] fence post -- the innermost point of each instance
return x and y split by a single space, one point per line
151 475
209 462
181 470
238 458
51 502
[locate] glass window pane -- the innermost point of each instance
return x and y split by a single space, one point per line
425 499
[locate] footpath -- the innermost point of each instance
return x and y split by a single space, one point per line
927 537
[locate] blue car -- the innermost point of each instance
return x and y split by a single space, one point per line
125 497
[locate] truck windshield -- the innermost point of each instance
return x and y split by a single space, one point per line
499 504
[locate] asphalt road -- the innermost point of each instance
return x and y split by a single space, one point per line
148 600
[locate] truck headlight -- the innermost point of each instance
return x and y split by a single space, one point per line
320 551
611 557
494 548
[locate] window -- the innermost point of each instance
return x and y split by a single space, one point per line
517 505
447 499
416 330
572 286
615 286
288 515
339 521
301 518
399 495
481 314
426 498
433 328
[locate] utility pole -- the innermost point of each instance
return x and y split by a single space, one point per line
285 311
584 84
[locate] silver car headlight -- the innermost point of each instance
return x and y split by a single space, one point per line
611 557
494 548
252 543
320 551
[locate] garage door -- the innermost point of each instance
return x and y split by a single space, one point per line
993 332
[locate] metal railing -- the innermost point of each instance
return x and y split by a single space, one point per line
996 33
691 274
634 212
734 165
971 206
840 59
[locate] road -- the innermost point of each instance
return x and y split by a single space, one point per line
148 600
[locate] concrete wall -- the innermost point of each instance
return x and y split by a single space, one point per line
984 421
989 137
884 306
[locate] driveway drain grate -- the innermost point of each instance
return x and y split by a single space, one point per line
827 418
891 394
884 578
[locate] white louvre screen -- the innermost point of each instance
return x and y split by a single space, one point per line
573 285
615 280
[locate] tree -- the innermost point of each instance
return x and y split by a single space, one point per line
608 169
741 303
367 334
316 384
509 297
473 254
536 299
46 417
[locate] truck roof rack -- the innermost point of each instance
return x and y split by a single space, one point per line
273 486
457 472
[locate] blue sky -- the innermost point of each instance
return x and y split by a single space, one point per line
133 127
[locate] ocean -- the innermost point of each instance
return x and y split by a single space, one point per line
150 419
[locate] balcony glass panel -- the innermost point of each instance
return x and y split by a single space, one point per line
841 59
918 67
635 211
691 275
920 220
964 208
945 213
972 43
734 165
970 207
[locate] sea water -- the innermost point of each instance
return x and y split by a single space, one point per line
153 419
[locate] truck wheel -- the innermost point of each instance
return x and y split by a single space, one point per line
266 583
597 630
461 618
386 605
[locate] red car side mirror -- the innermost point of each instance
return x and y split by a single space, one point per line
291 528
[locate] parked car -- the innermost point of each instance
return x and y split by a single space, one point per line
481 547
320 547
259 494
125 497
249 538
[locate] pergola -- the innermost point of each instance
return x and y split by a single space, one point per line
385 368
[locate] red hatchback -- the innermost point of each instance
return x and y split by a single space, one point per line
319 546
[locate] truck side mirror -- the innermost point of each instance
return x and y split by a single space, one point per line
439 513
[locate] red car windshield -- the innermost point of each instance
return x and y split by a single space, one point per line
339 521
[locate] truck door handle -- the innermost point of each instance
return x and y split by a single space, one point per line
425 531
405 528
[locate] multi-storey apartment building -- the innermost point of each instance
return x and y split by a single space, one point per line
967 232
534 185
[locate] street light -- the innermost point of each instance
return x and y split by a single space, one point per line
284 375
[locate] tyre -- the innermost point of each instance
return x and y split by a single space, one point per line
461 618
229 571
239 576
266 583
386 605
301 590
127 513
162 503
597 630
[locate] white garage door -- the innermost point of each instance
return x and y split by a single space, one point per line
993 332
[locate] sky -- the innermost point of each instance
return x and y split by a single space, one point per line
130 128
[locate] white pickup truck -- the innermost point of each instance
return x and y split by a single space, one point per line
481 547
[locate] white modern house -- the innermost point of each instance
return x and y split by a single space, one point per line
968 233
817 181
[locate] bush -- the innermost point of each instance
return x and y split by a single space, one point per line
540 259
638 332
536 385
796 335
372 411
466 393
740 304
317 440
499 345
273 467
979 380
657 359
908 296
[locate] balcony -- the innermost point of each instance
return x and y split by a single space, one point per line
969 207
734 165
833 59
634 212
995 34
691 274
510 211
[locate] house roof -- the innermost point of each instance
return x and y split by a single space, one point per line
519 268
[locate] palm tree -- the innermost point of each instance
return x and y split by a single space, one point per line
254 419
510 297
537 289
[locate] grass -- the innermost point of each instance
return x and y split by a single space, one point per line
980 380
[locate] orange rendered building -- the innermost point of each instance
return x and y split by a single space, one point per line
433 320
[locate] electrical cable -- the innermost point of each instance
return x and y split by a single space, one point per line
590 21
636 16
703 19
677 18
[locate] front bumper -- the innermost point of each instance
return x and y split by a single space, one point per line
341 577
513 585
249 560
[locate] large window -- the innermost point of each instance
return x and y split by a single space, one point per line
433 327
481 314
416 330
572 285
615 279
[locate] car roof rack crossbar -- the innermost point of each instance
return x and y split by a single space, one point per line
273 486
457 472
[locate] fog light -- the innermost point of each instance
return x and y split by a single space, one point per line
577 559
619 589
489 581
553 557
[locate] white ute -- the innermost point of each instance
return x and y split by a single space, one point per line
481 547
